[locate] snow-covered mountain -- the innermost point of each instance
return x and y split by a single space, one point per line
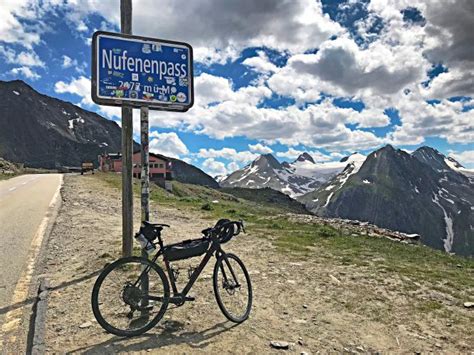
294 179
424 192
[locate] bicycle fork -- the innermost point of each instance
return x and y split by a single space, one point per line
226 260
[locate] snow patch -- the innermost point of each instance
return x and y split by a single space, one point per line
448 242
451 164
329 199
366 181
416 190
16 93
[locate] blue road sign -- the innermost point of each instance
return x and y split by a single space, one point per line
140 71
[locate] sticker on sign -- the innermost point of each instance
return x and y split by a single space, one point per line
140 71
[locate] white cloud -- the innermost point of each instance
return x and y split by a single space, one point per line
317 125
27 59
227 153
213 167
168 144
232 166
26 72
82 87
260 63
13 29
292 154
342 68
68 62
210 89
446 119
445 38
260 148
377 73
466 157
218 30
455 82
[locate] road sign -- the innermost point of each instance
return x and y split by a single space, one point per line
140 71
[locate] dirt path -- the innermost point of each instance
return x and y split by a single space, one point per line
314 303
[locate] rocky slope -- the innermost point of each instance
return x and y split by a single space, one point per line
294 179
44 132
267 196
189 174
413 193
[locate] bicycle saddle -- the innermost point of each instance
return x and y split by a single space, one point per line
155 225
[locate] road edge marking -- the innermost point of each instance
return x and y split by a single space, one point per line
13 317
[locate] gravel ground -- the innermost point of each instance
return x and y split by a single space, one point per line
314 304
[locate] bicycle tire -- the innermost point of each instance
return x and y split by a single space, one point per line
97 288
218 267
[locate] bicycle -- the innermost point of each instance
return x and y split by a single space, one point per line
137 290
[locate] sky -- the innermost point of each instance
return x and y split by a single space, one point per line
273 76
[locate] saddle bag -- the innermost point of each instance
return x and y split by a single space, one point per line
186 249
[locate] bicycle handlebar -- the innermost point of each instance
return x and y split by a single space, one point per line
210 230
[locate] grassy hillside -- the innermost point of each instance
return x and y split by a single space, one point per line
268 197
451 274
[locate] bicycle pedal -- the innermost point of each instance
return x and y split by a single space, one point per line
189 298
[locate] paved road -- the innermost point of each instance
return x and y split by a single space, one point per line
24 203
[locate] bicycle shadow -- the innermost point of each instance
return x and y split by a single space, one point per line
194 339
32 299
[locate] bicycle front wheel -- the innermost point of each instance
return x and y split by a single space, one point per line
124 303
232 288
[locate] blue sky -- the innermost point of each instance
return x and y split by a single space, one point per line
330 77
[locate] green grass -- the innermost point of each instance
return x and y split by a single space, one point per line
416 263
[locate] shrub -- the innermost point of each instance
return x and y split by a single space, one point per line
206 207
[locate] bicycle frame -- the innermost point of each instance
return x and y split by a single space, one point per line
181 297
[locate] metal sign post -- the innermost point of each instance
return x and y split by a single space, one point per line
142 72
127 148
145 180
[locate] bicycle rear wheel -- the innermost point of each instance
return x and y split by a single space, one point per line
119 302
232 288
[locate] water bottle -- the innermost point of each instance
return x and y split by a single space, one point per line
145 244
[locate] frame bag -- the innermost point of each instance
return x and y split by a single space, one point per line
186 249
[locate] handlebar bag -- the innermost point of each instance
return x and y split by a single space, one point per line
186 249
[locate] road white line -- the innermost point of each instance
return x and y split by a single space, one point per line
24 183
12 188
20 294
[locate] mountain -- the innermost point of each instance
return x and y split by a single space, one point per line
413 193
294 179
189 174
44 132
268 197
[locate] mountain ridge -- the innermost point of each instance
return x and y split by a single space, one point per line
413 193
296 178
45 132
